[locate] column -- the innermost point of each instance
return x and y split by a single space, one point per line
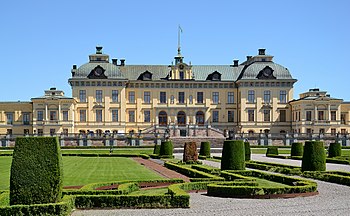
45 112
59 111
329 112
315 114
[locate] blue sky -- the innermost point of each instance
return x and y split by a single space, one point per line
41 40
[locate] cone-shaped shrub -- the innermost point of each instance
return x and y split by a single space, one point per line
156 149
36 171
297 149
272 150
166 148
205 149
314 157
190 152
233 155
247 151
334 150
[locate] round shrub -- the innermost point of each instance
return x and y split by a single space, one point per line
272 150
156 149
334 150
314 157
36 171
247 151
166 148
233 155
297 149
205 149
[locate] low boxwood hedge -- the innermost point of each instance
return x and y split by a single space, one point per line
337 177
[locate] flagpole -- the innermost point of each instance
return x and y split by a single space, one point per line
178 41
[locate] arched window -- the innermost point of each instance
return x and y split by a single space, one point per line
181 118
200 118
250 132
163 118
98 132
266 131
282 132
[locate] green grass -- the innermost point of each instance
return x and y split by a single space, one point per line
267 183
115 151
263 151
85 170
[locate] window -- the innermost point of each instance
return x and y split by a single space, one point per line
215 116
190 99
182 75
282 116
343 131
162 97
215 97
267 96
132 116
342 118
308 131
181 97
52 131
251 115
251 96
26 118
98 115
321 115
65 131
230 97
115 94
199 97
99 96
333 131
40 115
53 115
26 131
321 131
82 115
283 96
115 115
308 115
82 95
147 116
230 116
65 115
147 97
40 132
200 118
9 117
333 115
266 115
172 99
131 97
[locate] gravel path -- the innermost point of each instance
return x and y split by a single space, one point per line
333 200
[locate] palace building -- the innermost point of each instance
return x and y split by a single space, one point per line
109 95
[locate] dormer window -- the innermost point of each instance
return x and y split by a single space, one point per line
145 76
215 76
266 73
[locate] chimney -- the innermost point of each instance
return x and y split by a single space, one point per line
74 67
99 49
115 61
248 58
235 63
122 62
261 51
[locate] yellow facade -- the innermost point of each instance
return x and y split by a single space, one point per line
251 97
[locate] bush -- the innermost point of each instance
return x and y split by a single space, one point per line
156 149
297 149
272 150
166 148
334 150
36 171
190 152
314 157
205 149
233 155
247 151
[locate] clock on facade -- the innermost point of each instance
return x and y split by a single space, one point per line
98 71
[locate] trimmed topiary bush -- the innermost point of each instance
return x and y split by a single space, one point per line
156 149
233 155
36 171
166 148
272 150
247 151
314 157
334 150
205 149
297 149
190 152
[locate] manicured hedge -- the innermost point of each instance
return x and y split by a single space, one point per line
314 157
337 177
207 169
280 168
190 152
297 149
247 151
156 149
272 150
36 171
205 149
166 148
233 155
334 150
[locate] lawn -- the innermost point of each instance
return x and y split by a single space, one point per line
101 151
263 151
85 170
